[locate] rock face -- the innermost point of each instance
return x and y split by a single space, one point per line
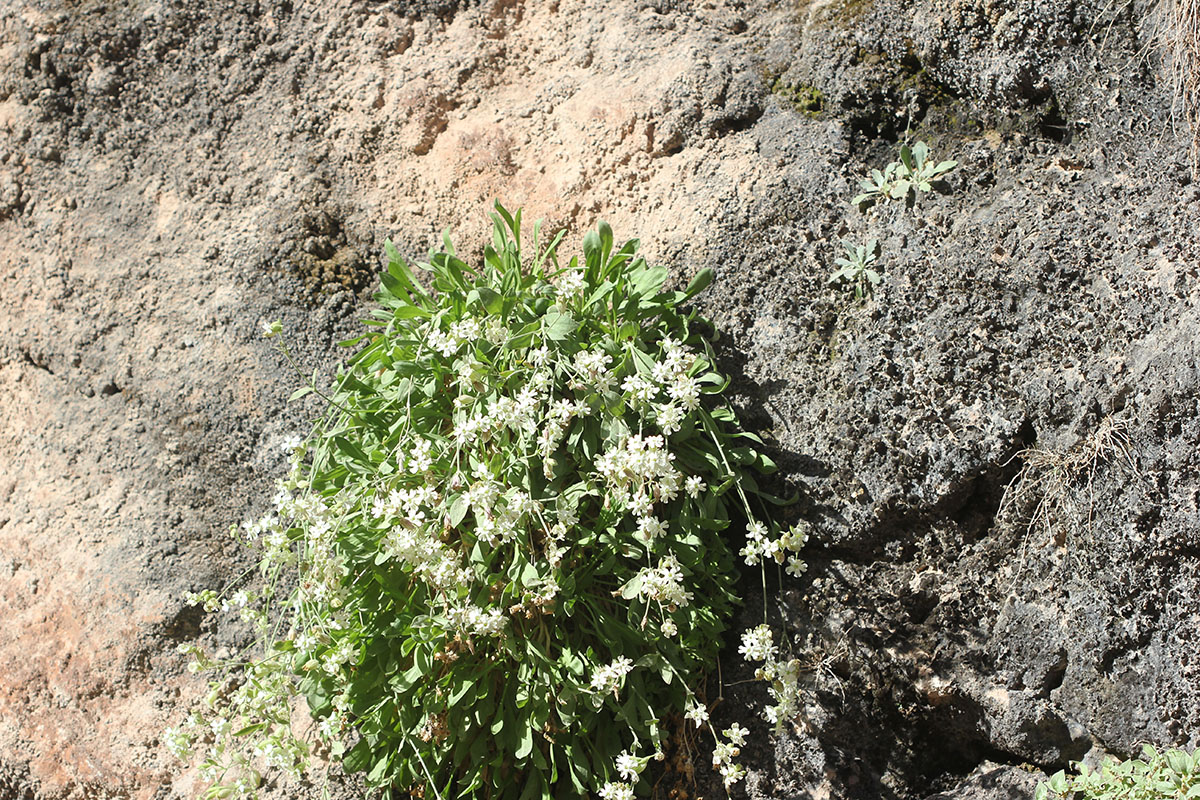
998 452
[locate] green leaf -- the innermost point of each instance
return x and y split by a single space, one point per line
379 769
557 325
599 294
632 587
526 744
359 757
591 253
301 392
409 312
492 301
458 510
648 281
398 269
699 283
349 448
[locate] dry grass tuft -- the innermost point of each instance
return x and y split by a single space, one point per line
1062 481
1178 33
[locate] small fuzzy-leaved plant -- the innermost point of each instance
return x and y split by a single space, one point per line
1157 775
857 267
914 172
498 563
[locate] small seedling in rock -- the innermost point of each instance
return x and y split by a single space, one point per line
855 267
918 170
915 171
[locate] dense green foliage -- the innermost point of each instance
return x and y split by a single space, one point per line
505 538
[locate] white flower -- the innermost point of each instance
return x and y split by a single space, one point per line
640 390
694 486
591 368
496 333
473 620
610 677
669 628
178 742
686 392
736 734
757 644
629 766
794 538
271 329
616 791
771 549
696 713
641 504
570 283
732 773
664 583
669 417
650 528
724 753
795 566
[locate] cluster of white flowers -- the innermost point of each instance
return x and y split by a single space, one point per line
725 752
519 414
639 389
269 534
448 343
472 620
558 418
760 545
405 503
784 679
262 698
178 742
617 790
672 372
428 557
758 644
591 371
639 472
500 518
339 657
783 675
571 283
418 459
664 584
609 678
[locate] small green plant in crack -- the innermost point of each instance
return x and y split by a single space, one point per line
914 172
855 268
1157 775
497 562
805 99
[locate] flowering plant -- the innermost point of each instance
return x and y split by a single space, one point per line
503 544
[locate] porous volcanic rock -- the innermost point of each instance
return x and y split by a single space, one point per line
997 452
